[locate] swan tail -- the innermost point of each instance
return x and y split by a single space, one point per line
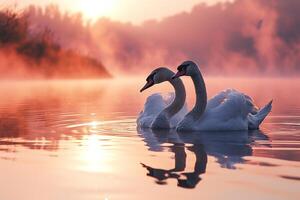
255 120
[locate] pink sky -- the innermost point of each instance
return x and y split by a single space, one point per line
135 11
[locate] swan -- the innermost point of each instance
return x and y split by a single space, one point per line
230 110
160 112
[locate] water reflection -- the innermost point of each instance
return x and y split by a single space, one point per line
83 133
229 149
191 179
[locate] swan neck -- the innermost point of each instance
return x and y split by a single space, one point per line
201 95
179 99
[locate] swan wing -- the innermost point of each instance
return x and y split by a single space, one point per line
254 120
216 100
154 104
238 107
230 104
227 110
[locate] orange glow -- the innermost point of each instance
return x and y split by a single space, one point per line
93 9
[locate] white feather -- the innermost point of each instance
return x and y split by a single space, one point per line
155 103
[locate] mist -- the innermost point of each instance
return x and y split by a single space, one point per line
258 37
31 53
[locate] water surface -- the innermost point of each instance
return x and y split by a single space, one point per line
78 140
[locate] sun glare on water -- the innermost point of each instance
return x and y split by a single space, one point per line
93 155
94 9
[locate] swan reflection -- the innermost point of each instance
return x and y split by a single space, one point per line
229 149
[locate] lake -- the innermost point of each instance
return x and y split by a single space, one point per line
79 140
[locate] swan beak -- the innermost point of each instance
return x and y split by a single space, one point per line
147 85
178 74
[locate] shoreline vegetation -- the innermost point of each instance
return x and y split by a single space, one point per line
29 54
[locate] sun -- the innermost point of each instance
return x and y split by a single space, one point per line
94 9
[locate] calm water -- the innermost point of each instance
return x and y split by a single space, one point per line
78 140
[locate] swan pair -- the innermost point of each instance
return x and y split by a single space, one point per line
229 110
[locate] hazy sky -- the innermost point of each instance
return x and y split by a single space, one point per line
134 11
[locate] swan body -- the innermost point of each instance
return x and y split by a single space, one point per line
230 110
154 105
162 112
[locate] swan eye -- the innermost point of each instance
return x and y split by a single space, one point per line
182 67
150 77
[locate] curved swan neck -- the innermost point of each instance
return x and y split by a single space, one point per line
179 99
201 95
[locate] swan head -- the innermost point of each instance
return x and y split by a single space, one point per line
157 76
187 68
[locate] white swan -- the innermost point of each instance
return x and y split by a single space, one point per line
160 112
229 110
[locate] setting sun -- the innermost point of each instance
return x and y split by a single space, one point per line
93 9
